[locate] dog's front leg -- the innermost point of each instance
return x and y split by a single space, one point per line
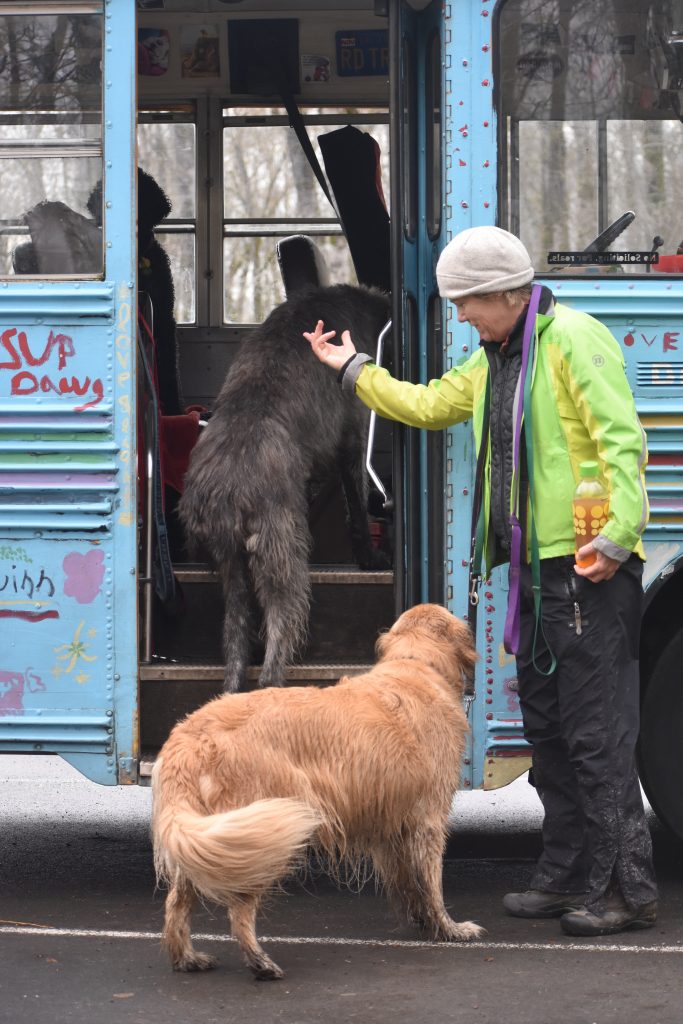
398 882
243 924
176 934
419 874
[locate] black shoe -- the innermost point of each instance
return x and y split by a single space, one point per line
615 919
536 903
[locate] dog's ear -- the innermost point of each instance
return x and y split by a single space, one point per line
381 645
466 651
443 641
455 635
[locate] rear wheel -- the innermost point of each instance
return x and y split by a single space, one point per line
661 736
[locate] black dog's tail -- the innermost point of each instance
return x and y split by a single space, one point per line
245 495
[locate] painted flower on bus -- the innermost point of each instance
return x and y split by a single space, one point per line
71 654
83 575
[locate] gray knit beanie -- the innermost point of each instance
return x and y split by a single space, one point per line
481 260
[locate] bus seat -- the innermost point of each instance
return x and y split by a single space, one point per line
64 242
352 164
302 265
24 259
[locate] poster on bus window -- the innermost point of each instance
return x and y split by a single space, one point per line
200 52
315 67
153 52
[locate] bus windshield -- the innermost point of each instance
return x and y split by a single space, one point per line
590 130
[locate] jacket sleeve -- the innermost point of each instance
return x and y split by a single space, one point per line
595 377
441 403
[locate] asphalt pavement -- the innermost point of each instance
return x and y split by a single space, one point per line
80 920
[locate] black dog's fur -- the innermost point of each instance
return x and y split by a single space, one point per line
156 280
280 420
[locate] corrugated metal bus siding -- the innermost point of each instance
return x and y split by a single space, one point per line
59 487
664 475
60 456
68 669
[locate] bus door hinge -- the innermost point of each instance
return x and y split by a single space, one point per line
128 770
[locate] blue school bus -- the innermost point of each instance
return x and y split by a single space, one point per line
170 170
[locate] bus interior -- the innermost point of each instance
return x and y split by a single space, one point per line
242 108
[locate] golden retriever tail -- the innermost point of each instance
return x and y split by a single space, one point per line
237 853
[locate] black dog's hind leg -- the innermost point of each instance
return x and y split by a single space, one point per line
355 484
280 573
236 623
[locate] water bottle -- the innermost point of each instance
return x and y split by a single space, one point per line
591 508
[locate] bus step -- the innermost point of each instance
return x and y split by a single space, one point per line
147 759
161 671
170 691
321 575
349 609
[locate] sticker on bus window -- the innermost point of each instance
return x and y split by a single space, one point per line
362 53
602 259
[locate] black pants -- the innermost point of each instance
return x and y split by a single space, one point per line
582 722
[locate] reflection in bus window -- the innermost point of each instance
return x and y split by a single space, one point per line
50 143
590 123
167 149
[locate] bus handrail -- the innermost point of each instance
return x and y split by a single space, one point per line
388 501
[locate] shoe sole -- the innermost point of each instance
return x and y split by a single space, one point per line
542 915
588 932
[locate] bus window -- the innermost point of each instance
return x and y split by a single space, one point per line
51 141
167 149
590 128
269 192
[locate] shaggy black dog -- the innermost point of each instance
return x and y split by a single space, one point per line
280 421
156 280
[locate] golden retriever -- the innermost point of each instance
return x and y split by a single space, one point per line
363 769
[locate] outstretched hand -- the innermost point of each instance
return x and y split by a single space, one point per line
332 355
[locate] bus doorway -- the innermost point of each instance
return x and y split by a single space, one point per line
240 152
141 242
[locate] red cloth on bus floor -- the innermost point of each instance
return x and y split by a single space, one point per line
179 435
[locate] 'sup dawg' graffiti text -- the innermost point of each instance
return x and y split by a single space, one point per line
25 382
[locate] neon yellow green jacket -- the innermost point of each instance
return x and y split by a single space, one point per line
582 409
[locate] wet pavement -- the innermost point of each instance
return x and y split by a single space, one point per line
80 920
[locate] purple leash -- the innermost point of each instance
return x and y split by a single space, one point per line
512 629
